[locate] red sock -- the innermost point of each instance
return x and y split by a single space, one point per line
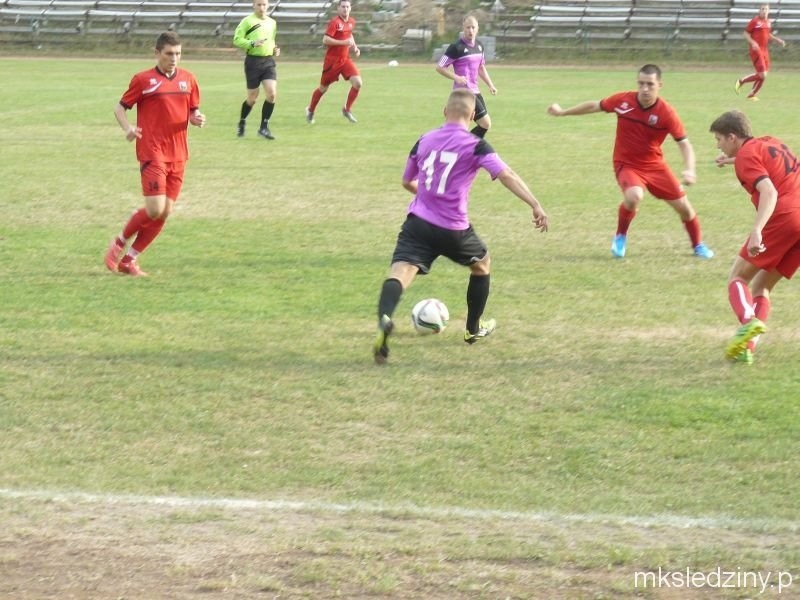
135 223
693 229
624 218
761 306
147 234
741 300
749 78
351 97
316 96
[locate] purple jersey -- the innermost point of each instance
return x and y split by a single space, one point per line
466 60
444 162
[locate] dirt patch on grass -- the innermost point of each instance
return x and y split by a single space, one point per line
73 549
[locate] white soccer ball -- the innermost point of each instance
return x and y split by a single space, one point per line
394 63
430 316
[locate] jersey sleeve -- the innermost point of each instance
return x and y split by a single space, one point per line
449 56
240 34
133 94
676 128
488 159
330 31
607 104
412 168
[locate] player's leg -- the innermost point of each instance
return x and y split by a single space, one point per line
478 289
482 120
271 93
632 188
740 298
414 252
253 79
664 185
316 96
757 85
351 74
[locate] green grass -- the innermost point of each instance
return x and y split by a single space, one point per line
242 366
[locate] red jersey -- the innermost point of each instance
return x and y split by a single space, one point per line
759 29
163 105
641 131
767 156
339 29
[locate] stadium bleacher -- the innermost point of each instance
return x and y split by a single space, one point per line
548 23
148 17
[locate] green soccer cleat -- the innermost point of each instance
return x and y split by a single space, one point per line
737 86
485 329
745 333
380 349
745 358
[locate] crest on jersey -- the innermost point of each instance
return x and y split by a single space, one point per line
183 86
652 120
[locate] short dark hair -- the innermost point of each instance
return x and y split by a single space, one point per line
732 122
651 69
168 38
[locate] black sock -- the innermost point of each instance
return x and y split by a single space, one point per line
266 111
246 108
391 292
477 295
479 131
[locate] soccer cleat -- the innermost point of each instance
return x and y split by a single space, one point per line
266 133
703 251
349 116
619 245
745 358
485 329
131 267
380 349
114 254
240 129
309 116
744 334
753 98
737 86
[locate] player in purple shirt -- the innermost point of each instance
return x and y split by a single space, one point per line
467 60
439 172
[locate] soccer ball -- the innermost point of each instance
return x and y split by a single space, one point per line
430 316
394 63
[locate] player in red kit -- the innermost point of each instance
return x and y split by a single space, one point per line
758 33
339 40
643 122
769 171
167 99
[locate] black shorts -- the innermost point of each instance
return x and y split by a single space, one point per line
259 68
420 243
480 107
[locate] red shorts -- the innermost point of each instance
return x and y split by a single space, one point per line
760 60
658 181
162 178
781 238
331 71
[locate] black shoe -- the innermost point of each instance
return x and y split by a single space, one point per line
265 132
240 129
380 348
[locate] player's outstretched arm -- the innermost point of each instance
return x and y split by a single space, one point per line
584 108
519 188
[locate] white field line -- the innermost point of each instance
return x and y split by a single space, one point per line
388 510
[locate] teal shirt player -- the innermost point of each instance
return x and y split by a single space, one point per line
252 29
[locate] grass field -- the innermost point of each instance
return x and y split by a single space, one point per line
598 433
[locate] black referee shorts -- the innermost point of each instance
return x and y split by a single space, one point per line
420 243
259 68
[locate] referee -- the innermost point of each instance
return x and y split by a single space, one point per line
255 34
